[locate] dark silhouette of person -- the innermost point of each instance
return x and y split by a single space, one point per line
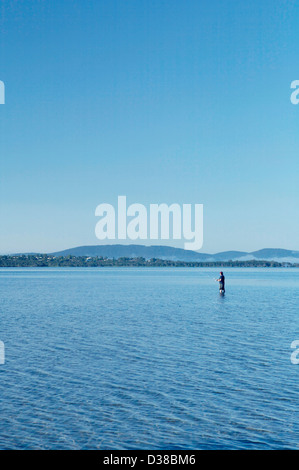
221 281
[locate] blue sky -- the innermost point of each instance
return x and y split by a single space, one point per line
161 101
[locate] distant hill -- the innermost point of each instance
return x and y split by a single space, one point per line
135 251
178 254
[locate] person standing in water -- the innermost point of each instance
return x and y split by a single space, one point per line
221 281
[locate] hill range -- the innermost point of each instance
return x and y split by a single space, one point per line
178 254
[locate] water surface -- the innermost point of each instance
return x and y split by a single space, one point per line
148 358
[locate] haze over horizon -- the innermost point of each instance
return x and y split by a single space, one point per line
164 102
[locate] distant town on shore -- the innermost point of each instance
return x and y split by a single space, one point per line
39 261
156 255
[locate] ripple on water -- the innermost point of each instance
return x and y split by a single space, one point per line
148 359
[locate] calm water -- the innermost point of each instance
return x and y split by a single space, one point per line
148 359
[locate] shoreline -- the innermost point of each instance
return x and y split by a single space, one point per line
46 261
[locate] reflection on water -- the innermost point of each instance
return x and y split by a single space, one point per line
148 359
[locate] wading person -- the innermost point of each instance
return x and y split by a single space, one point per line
221 281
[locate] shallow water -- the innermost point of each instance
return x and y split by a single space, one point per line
125 358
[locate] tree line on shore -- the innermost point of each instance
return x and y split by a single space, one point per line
44 260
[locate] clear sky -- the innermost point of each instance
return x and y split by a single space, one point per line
161 101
